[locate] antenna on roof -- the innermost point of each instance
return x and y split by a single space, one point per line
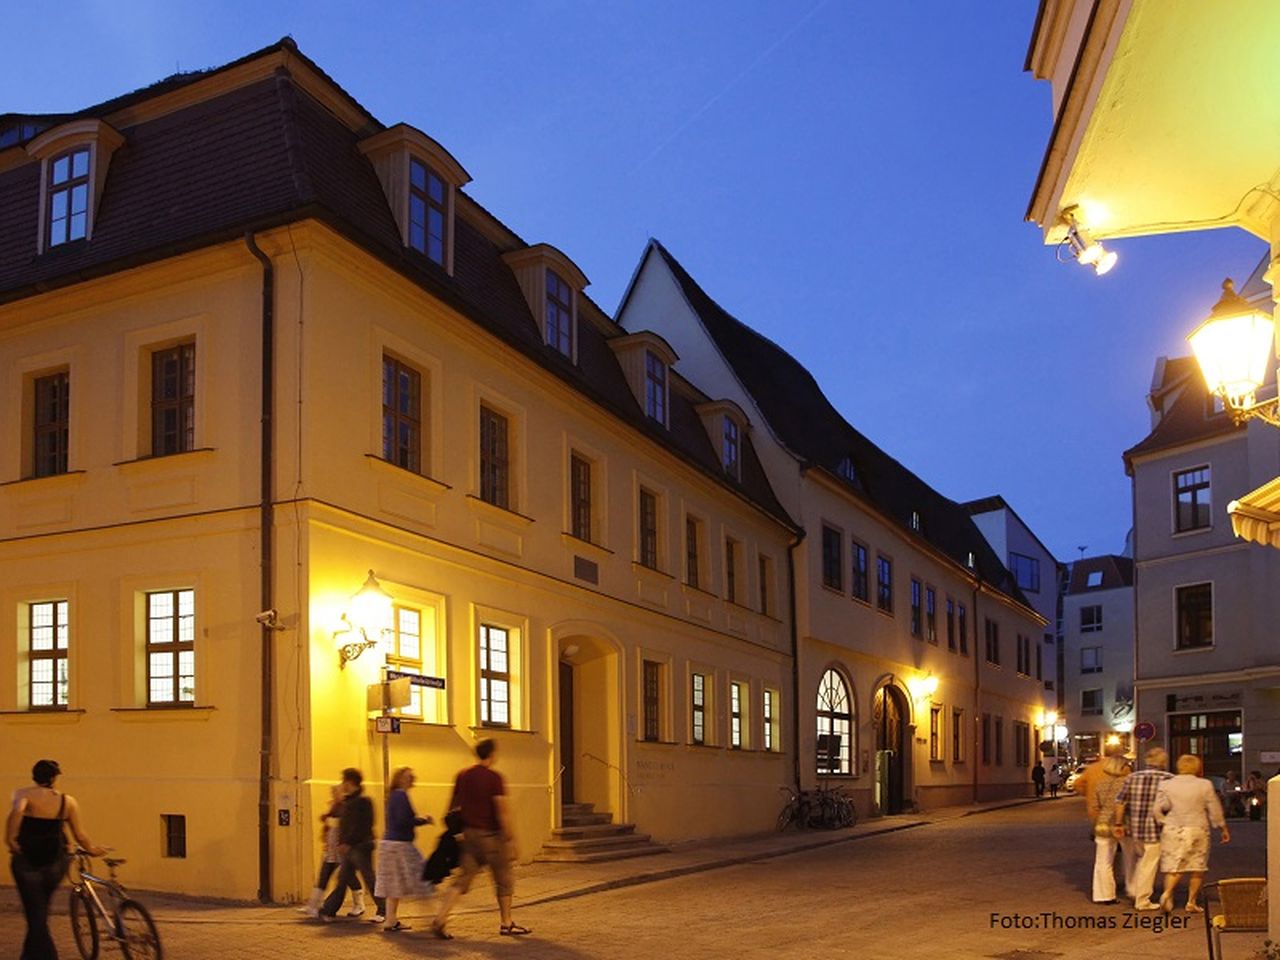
1082 550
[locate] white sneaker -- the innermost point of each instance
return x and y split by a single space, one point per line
357 904
378 918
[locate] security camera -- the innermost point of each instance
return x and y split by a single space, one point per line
268 619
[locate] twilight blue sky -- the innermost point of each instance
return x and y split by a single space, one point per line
849 178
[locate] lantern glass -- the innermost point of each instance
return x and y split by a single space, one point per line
1233 352
371 609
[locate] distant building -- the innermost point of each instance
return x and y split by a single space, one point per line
1035 570
1097 684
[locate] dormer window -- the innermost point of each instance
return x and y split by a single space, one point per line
559 314
915 520
74 157
730 449
428 211
655 387
846 471
68 197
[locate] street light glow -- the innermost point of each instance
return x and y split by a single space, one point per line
1233 347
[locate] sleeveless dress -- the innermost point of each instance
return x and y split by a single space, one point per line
42 839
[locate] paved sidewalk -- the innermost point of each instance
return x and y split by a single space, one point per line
538 883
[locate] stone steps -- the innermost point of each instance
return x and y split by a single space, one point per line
590 837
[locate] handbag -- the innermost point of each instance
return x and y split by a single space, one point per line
1103 827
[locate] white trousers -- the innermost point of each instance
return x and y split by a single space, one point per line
1144 873
1104 869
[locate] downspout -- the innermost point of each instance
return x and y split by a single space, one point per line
266 600
795 659
976 754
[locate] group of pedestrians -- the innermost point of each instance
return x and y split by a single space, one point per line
478 834
1159 821
1051 778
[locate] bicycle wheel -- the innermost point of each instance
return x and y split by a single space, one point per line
137 932
787 816
84 925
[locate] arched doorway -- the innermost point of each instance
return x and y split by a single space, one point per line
889 714
588 722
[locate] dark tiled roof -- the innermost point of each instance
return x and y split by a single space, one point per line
1116 572
1181 393
267 154
806 422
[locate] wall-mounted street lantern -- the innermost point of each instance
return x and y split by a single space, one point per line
1087 251
367 622
1234 347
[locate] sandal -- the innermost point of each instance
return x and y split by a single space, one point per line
440 932
513 930
396 927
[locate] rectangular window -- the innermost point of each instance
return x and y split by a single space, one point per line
648 529
1093 579
1091 619
1026 572
427 211
951 624
655 387
495 676
1191 498
935 733
49 633
401 414
580 497
698 708
1090 659
1195 616
495 462
915 607
171 655
957 735
884 583
1091 701
832 558
732 553
735 716
173 400
962 629
766 579
407 649
770 719
1022 743
174 826
52 410
993 641
1024 655
861 590
692 552
930 615
68 197
559 325
999 731
652 701
730 449
986 739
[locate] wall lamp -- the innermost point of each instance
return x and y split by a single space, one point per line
923 688
368 621
1087 251
1233 347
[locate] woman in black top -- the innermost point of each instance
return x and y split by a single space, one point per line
35 837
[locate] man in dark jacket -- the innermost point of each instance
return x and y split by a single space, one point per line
355 846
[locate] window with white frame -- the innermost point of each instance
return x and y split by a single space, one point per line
1091 701
428 211
171 656
769 714
698 708
405 648
559 314
495 676
48 647
1195 616
736 695
68 197
935 732
1091 618
835 725
1091 659
1191 499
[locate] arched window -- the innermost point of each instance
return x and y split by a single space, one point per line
835 725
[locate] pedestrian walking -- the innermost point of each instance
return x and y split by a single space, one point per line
1137 798
36 838
1102 801
331 861
355 847
1054 779
1187 806
399 872
1037 777
488 839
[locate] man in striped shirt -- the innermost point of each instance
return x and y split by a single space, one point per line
1138 794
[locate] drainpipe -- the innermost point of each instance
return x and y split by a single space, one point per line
266 597
976 754
795 659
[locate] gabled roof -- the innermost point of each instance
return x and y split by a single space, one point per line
996 502
1116 572
1179 391
267 153
805 421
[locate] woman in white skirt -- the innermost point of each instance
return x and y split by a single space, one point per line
399 872
1186 806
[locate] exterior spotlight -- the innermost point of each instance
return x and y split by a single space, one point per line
369 621
1087 251
1233 347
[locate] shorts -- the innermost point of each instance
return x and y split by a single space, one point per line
483 848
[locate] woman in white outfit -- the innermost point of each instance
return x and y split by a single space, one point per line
1114 771
1186 806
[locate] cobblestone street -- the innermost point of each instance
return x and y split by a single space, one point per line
947 887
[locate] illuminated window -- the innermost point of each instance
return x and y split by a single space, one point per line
935 733
495 676
698 708
770 716
48 635
171 657
735 716
835 720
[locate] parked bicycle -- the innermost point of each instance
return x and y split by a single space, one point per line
826 808
102 906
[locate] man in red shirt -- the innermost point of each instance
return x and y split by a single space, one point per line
487 840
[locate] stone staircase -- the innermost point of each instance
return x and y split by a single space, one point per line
590 837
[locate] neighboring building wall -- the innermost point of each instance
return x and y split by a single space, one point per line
1098 654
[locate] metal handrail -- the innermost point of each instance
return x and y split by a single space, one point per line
631 791
551 787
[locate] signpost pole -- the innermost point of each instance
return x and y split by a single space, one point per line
386 760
